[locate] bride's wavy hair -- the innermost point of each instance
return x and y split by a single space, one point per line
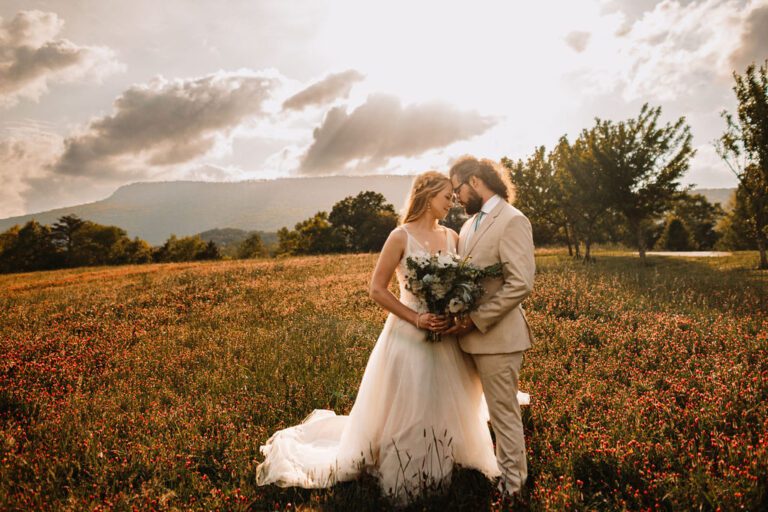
426 186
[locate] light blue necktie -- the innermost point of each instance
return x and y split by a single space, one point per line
478 219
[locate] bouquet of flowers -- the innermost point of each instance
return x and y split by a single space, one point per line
446 284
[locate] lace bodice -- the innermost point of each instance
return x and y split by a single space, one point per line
414 248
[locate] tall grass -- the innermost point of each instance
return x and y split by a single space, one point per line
153 386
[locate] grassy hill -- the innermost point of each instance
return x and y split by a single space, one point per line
156 387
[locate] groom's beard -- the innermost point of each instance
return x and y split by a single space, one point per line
474 203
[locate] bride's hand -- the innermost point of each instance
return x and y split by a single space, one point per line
432 322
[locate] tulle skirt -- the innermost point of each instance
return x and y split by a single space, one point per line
419 411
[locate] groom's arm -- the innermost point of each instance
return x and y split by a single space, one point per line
518 267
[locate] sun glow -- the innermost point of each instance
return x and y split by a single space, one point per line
492 56
508 60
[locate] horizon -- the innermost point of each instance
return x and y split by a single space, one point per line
102 96
253 180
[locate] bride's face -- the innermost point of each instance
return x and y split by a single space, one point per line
441 203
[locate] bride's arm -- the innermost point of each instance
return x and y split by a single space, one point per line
389 258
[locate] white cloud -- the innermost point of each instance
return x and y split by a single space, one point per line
330 88
166 123
24 155
754 39
578 40
671 51
31 57
382 128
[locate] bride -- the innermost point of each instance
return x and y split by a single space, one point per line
419 410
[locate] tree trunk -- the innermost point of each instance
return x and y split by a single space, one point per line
568 240
587 250
640 242
763 259
760 237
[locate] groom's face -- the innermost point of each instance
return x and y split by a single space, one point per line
466 196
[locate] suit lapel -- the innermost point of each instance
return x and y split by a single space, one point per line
485 226
463 239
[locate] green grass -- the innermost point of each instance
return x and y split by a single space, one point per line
154 386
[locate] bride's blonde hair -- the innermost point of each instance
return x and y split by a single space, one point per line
426 186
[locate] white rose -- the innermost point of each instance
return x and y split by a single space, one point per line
456 306
445 260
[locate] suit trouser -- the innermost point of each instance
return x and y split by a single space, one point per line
499 374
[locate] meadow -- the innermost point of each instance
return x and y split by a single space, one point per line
153 386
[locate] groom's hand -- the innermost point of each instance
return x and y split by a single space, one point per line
462 326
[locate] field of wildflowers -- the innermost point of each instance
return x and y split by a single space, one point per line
152 387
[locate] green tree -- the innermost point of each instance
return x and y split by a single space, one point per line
700 217
363 221
188 248
676 236
538 195
252 247
210 252
30 248
63 235
737 228
315 235
8 237
585 196
287 242
642 163
94 244
127 251
374 230
744 148
359 223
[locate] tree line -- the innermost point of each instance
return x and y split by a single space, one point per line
74 242
620 182
356 224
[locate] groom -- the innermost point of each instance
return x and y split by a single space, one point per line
497 334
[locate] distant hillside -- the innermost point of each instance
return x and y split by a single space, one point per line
154 211
717 195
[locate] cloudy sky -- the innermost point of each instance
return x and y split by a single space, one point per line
97 94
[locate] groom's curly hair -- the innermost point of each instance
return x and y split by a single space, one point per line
487 170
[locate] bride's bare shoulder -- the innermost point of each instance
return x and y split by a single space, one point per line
397 237
452 233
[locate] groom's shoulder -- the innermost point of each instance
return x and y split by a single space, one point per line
513 216
511 212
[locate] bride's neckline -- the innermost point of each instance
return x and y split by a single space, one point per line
444 250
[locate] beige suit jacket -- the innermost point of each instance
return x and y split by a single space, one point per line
503 237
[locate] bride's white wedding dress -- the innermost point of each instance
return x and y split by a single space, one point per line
419 411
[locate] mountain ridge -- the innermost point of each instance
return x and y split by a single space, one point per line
155 210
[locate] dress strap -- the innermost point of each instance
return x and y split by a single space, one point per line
408 238
411 238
